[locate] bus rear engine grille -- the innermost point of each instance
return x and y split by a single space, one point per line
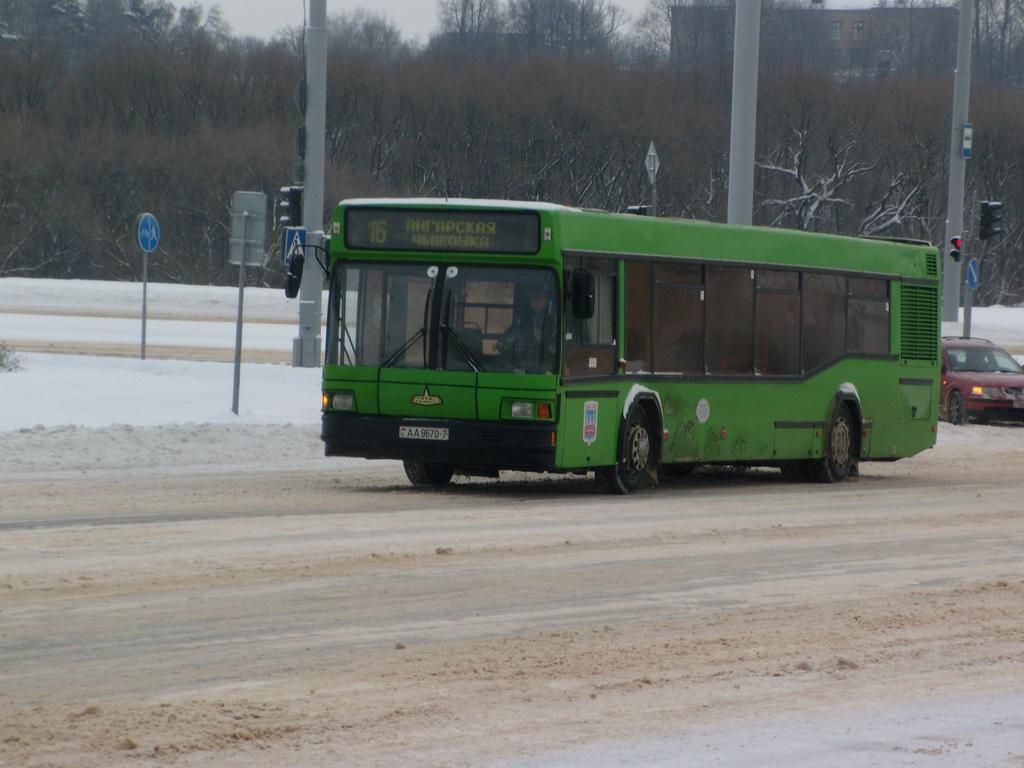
931 265
919 323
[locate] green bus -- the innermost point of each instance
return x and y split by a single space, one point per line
474 336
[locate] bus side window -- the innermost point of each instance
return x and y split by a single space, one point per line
590 344
730 323
867 318
824 319
639 327
678 320
777 323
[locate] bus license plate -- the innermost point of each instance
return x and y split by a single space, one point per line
1018 403
423 433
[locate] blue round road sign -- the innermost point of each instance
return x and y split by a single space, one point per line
147 232
972 274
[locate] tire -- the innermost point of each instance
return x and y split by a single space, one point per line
956 408
834 466
636 459
423 474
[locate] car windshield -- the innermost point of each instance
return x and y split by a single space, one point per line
981 360
483 319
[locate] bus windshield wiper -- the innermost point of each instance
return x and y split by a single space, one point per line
457 342
461 348
397 355
420 334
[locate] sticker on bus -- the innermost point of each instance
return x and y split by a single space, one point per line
590 422
703 411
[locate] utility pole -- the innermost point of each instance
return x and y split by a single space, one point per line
306 348
746 48
957 162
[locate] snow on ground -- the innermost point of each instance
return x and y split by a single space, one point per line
75 413
966 733
60 390
1000 325
128 331
197 302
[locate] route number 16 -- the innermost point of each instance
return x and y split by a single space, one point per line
378 232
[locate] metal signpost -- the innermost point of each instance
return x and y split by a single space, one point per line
147 235
973 276
248 239
653 163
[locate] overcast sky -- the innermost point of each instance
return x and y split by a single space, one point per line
416 18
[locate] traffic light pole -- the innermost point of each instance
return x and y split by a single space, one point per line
306 348
951 273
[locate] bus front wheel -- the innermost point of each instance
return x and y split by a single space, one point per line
835 465
636 455
421 473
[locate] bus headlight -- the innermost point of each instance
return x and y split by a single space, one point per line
340 401
522 410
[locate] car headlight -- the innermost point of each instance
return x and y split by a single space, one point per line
986 392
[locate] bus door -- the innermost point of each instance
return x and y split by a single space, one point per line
590 423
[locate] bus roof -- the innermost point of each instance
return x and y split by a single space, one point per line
454 202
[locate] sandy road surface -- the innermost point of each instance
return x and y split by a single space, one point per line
327 618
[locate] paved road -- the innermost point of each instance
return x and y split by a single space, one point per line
252 617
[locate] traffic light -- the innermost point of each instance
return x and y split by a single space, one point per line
957 244
291 206
991 216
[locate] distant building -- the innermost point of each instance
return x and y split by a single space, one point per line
870 42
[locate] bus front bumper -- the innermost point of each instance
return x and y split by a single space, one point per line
484 445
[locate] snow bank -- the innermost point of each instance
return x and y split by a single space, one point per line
75 390
71 413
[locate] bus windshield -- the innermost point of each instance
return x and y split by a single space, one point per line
447 317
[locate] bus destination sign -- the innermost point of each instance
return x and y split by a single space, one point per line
417 229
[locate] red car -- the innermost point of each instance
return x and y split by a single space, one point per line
980 381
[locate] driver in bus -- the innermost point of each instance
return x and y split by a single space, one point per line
530 341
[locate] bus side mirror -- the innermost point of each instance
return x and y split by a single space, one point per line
582 289
294 278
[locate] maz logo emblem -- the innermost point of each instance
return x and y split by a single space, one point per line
426 398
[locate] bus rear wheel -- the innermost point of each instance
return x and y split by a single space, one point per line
835 465
422 473
636 462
